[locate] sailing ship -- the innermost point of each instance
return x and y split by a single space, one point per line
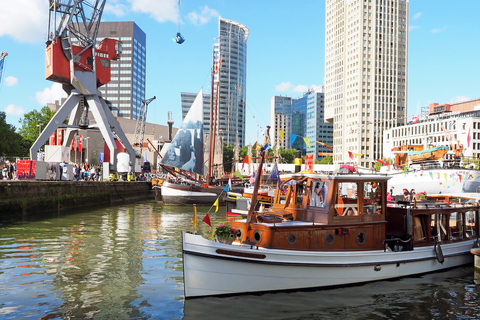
186 156
330 230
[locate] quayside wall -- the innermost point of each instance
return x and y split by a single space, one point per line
21 198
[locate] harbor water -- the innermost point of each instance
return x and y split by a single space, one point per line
125 262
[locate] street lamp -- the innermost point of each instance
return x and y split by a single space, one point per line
39 125
86 139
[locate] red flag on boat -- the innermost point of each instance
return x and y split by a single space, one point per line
207 220
350 154
246 161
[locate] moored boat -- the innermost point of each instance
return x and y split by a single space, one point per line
344 234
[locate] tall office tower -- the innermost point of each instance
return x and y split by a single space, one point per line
126 91
317 130
366 58
299 123
230 53
281 119
309 122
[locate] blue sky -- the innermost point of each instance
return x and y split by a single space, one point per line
285 54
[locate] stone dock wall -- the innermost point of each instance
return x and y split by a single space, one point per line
19 198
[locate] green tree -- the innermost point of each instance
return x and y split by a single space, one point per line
288 155
32 122
11 141
227 157
326 160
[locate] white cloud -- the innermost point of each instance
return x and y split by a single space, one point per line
283 87
10 81
410 28
417 15
13 110
24 20
205 15
299 88
160 10
115 8
437 30
459 99
49 95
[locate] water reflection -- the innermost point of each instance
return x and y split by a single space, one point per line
125 262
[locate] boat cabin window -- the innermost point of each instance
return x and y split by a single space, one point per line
318 193
301 192
372 198
346 204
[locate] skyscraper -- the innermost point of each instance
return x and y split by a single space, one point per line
230 54
366 58
126 90
281 118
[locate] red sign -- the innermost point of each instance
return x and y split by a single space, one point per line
52 139
309 162
59 137
26 169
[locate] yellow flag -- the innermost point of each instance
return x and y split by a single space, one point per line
358 155
282 132
307 141
195 218
216 205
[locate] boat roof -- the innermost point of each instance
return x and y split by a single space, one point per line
339 177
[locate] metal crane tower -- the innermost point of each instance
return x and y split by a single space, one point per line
81 69
140 127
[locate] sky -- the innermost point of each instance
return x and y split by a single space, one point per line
285 52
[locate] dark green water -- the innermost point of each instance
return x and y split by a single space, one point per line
124 262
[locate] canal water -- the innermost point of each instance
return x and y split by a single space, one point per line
125 262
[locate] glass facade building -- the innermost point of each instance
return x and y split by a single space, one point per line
230 54
126 90
281 115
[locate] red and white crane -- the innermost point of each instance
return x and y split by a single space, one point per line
81 69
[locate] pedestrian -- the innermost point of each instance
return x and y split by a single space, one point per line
412 194
406 195
92 173
10 171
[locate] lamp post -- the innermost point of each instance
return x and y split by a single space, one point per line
39 125
86 139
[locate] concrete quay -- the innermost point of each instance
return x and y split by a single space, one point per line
27 197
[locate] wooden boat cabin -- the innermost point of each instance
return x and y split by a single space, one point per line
350 212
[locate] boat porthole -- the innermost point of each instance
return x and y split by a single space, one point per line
329 239
291 238
361 238
257 236
377 267
239 234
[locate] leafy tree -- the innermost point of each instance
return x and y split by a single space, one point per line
11 141
32 122
227 157
326 160
288 155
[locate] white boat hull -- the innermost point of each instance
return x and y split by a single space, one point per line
183 194
212 268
